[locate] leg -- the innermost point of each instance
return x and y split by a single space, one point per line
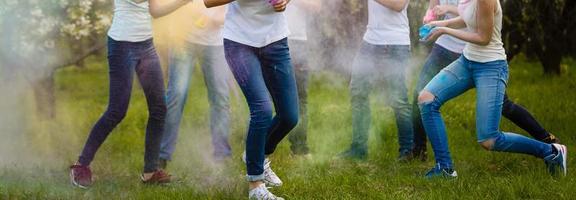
490 80
449 83
279 76
298 137
150 76
360 87
438 59
216 76
246 68
121 75
397 59
523 119
180 71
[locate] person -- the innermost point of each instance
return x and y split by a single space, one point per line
446 50
482 66
382 60
204 45
297 15
131 49
256 49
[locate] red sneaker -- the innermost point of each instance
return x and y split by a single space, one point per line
80 176
159 177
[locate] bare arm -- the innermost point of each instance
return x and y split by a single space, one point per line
456 22
396 5
158 8
433 4
214 3
446 9
485 20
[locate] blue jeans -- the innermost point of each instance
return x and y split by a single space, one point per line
266 78
441 57
125 58
489 79
385 67
216 76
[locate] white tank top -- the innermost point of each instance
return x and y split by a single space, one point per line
386 26
254 23
495 49
132 21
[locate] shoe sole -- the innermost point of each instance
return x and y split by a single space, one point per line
74 183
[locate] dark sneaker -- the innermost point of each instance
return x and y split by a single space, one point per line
80 176
420 154
353 155
405 156
159 177
551 139
163 164
557 162
438 172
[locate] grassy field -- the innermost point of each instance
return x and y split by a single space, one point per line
38 167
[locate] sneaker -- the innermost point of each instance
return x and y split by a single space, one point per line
353 155
80 176
420 154
551 139
438 172
270 178
557 161
262 193
159 177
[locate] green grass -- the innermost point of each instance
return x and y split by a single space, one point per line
38 167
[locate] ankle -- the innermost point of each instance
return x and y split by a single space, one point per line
255 184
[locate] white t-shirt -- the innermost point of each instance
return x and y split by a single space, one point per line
254 23
297 21
447 41
386 26
495 49
132 21
202 31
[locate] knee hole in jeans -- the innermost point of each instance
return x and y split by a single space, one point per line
488 144
425 97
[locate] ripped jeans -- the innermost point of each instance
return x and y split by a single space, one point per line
489 79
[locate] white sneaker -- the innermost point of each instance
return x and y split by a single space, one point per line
270 178
262 193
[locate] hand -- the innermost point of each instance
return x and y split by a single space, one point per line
428 17
440 10
435 34
279 5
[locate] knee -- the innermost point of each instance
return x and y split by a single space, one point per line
290 120
261 114
158 112
488 144
115 115
425 97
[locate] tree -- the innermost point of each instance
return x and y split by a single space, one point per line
541 29
41 36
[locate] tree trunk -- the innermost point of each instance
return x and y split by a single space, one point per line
44 96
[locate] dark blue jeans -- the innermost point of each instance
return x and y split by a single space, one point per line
123 59
266 78
438 59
